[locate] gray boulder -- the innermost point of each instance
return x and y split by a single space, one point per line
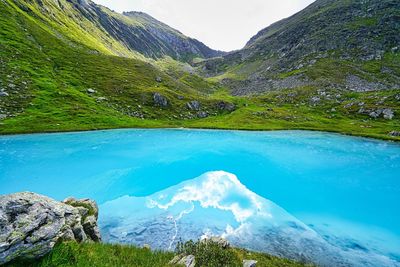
388 114
202 114
101 99
374 114
194 105
249 263
394 133
2 93
183 260
226 106
188 261
31 224
160 100
315 100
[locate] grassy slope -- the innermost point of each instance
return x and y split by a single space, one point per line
52 78
86 255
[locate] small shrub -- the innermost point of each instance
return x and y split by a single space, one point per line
209 253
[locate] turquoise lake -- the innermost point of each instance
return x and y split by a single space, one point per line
312 196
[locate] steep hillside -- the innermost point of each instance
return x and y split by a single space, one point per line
49 80
344 44
130 34
160 39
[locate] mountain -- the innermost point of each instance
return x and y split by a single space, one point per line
119 34
160 39
332 43
74 65
60 68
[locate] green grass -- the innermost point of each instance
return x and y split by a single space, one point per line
107 255
95 254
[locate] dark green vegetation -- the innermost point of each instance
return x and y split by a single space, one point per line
73 65
212 254
105 255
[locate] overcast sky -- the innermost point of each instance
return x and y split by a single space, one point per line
221 24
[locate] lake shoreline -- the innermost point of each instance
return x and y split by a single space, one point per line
360 135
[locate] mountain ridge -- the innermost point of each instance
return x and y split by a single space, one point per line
127 34
351 33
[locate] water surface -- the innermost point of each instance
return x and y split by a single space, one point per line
345 190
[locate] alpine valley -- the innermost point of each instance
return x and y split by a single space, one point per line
75 65
298 196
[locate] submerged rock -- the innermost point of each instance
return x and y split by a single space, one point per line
31 224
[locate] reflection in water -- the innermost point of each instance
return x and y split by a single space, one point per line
216 203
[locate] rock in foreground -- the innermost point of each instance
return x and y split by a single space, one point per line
31 224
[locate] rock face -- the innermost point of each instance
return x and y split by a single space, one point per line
342 30
31 224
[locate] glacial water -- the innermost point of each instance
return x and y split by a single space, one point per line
319 197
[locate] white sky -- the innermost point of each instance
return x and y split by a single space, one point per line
221 24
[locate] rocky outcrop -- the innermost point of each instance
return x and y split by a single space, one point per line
31 224
202 114
249 263
386 113
160 100
394 133
152 38
194 105
184 260
226 106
